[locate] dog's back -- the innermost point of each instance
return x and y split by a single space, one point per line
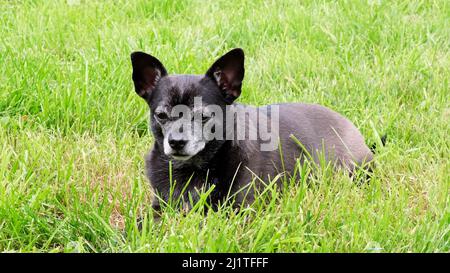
310 131
320 129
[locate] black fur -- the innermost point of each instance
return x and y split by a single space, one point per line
383 140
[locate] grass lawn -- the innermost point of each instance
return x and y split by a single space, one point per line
73 133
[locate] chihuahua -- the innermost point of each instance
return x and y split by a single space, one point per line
203 138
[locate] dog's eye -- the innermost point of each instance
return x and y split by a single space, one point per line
161 116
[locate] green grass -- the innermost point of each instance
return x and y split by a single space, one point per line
73 132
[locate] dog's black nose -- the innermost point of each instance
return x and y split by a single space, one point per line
177 144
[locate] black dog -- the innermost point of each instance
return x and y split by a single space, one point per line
226 161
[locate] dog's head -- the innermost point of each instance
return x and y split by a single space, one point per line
183 108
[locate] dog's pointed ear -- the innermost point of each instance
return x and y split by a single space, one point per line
228 72
147 71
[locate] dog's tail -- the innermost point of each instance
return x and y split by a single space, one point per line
383 139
